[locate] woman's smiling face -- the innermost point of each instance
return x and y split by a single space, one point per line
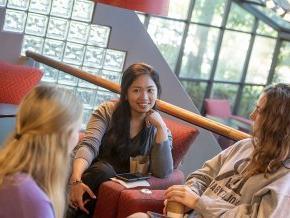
142 94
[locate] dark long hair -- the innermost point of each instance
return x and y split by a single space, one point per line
118 135
271 137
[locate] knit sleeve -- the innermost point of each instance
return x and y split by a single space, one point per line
98 124
161 158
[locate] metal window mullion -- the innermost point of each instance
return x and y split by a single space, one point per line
185 34
217 53
274 60
246 67
146 21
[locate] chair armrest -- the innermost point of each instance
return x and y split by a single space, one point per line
242 119
110 193
108 200
175 178
132 201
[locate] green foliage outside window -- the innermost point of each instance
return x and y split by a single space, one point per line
249 98
239 19
196 91
224 91
282 71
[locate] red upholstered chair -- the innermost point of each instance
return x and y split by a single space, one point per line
221 108
16 81
112 196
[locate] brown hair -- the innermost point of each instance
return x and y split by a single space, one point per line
271 135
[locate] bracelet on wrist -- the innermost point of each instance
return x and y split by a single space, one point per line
75 182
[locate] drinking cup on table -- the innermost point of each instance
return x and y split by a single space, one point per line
143 164
174 209
133 164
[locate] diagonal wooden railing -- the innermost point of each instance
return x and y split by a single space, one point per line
163 106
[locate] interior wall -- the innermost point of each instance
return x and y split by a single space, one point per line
10 43
129 35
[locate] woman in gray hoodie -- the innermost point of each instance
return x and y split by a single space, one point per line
250 178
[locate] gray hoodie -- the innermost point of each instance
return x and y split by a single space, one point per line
225 193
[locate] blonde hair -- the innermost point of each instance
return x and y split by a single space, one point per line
39 145
271 137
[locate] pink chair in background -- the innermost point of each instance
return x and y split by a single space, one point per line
221 108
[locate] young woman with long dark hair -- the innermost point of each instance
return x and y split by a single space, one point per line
117 131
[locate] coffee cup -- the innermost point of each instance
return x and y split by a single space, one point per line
174 209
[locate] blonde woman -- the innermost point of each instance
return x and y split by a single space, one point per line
34 160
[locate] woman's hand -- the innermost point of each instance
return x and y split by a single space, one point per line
182 194
154 118
76 196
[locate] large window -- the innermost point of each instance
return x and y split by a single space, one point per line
228 51
199 52
167 35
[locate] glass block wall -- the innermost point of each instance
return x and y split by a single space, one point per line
62 30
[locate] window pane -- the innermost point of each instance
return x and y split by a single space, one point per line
78 32
86 118
53 49
74 53
94 57
36 24
41 7
167 36
282 71
87 96
261 59
32 43
112 76
249 98
224 91
114 60
57 28
209 12
67 79
265 29
62 8
103 96
50 74
18 4
196 91
199 52
93 71
239 19
14 21
178 9
232 56
83 10
99 35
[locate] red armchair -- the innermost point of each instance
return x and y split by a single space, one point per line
112 196
16 81
221 108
